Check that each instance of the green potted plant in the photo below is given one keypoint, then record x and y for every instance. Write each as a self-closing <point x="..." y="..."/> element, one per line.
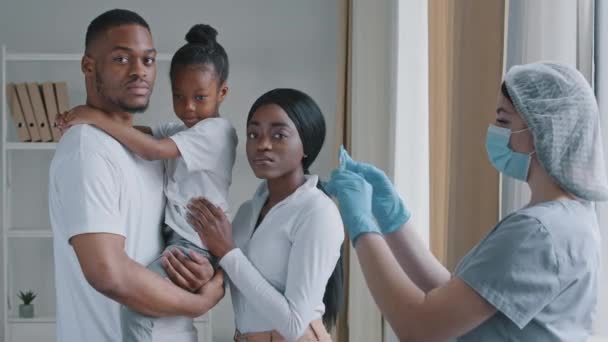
<point x="26" y="310"/>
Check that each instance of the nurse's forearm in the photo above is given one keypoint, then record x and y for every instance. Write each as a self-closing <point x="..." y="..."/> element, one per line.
<point x="148" y="293"/>
<point x="448" y="311"/>
<point x="394" y="292"/>
<point x="416" y="259"/>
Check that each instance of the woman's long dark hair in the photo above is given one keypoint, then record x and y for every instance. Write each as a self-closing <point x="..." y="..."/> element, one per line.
<point x="308" y="119"/>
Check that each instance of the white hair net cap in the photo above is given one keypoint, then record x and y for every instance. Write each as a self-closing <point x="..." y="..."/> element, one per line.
<point x="559" y="106"/>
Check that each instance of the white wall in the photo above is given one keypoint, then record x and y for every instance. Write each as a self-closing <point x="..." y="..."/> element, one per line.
<point x="270" y="43"/>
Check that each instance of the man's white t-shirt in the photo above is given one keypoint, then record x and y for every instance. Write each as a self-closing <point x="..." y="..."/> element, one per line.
<point x="208" y="151"/>
<point x="98" y="186"/>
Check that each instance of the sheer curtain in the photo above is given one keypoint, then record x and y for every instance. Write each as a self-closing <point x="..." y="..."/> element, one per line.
<point x="370" y="104"/>
<point x="601" y="89"/>
<point x="545" y="30"/>
<point x="573" y="32"/>
<point x="387" y="123"/>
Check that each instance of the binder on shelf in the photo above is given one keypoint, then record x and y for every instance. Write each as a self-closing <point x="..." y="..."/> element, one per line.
<point x="39" y="112"/>
<point x="17" y="113"/>
<point x="28" y="112"/>
<point x="61" y="91"/>
<point x="50" y="104"/>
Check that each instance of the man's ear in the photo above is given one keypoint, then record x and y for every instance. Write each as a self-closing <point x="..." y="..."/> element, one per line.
<point x="87" y="65"/>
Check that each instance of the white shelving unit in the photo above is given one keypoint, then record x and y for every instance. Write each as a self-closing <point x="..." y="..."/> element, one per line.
<point x="12" y="146"/>
<point x="42" y="327"/>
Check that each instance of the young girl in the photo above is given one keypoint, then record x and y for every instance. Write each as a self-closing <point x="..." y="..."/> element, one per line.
<point x="284" y="264"/>
<point x="199" y="151"/>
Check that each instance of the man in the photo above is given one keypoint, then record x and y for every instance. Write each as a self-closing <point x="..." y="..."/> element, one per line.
<point x="106" y="204"/>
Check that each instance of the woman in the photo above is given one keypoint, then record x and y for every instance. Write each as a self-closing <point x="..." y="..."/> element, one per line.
<point x="283" y="263"/>
<point x="534" y="276"/>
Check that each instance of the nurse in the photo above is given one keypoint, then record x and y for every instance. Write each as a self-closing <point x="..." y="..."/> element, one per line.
<point x="534" y="277"/>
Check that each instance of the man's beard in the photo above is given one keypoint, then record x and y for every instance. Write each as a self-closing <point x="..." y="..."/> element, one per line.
<point x="117" y="102"/>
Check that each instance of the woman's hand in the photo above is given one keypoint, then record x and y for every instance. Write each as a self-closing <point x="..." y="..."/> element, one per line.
<point x="77" y="116"/>
<point x="189" y="272"/>
<point x="212" y="226"/>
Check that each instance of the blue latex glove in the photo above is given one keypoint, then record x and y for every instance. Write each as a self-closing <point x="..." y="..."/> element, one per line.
<point x="354" y="196"/>
<point x="387" y="205"/>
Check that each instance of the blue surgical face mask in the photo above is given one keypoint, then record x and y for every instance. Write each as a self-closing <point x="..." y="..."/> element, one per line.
<point x="503" y="158"/>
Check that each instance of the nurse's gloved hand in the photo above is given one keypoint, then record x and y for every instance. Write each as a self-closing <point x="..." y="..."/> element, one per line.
<point x="354" y="196"/>
<point x="387" y="205"/>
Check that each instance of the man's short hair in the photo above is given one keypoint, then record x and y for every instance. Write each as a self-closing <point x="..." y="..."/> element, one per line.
<point x="110" y="19"/>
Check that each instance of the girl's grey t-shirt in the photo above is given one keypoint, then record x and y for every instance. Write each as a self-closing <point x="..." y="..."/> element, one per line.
<point x="539" y="268"/>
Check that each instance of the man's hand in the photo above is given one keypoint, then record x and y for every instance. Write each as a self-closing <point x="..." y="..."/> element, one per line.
<point x="214" y="286"/>
<point x="212" y="292"/>
<point x="188" y="272"/>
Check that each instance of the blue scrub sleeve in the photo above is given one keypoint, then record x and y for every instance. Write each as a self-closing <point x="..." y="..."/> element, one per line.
<point x="516" y="269"/>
